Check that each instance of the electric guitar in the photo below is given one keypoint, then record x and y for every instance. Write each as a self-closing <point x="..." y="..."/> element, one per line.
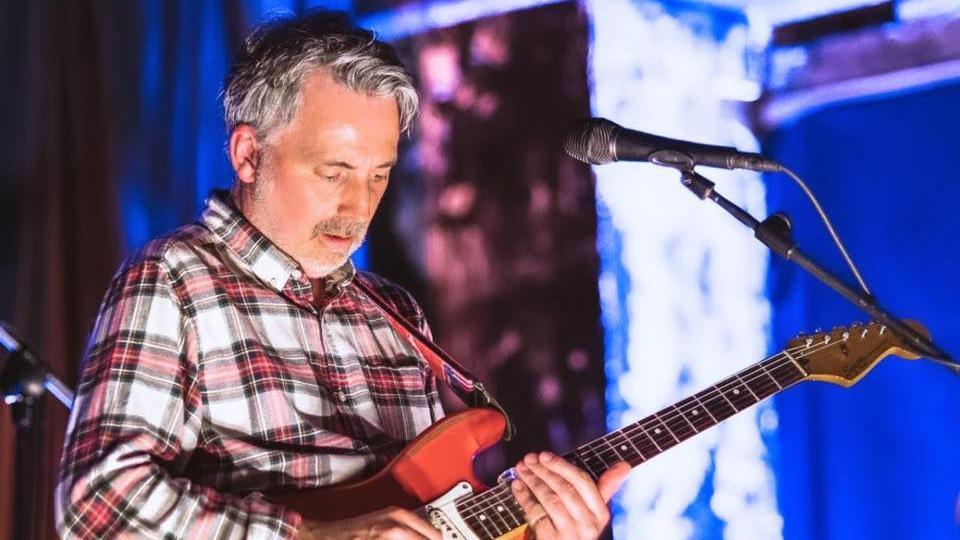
<point x="434" y="476"/>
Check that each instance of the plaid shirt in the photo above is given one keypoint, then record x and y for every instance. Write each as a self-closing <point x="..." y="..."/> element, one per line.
<point x="210" y="377"/>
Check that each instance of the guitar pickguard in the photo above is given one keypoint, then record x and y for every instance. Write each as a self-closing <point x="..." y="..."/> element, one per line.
<point x="443" y="515"/>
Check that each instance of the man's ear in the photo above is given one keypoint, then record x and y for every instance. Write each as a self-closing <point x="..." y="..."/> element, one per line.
<point x="245" y="152"/>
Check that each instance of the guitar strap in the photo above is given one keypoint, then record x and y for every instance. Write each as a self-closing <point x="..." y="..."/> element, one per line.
<point x="466" y="386"/>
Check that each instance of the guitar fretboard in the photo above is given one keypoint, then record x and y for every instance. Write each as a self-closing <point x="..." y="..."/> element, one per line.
<point x="494" y="513"/>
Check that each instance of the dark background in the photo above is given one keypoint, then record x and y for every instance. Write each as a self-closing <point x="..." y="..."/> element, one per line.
<point x="110" y="135"/>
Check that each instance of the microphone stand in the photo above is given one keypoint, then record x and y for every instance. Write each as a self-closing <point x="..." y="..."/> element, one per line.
<point x="23" y="382"/>
<point x="775" y="233"/>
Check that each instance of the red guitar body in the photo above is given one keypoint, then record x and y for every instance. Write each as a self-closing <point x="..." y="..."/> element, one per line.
<point x="431" y="465"/>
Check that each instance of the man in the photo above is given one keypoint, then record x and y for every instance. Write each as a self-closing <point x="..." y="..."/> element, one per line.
<point x="234" y="356"/>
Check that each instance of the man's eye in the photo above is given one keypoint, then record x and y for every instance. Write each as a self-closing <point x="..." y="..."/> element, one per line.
<point x="332" y="177"/>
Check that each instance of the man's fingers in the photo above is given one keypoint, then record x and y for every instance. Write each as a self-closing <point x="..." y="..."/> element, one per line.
<point x="415" y="523"/>
<point x="533" y="512"/>
<point x="544" y="494"/>
<point x="580" y="480"/>
<point x="612" y="479"/>
<point x="582" y="501"/>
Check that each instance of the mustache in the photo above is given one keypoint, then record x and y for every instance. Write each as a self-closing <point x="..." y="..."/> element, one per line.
<point x="340" y="226"/>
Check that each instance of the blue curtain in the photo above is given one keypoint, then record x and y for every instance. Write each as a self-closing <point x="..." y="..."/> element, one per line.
<point x="171" y="137"/>
<point x="878" y="460"/>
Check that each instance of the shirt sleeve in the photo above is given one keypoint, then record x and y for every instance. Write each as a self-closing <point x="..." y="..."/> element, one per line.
<point x="135" y="419"/>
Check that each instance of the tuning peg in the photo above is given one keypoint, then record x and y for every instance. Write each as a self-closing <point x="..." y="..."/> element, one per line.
<point x="855" y="324"/>
<point x="883" y="329"/>
<point x="846" y="335"/>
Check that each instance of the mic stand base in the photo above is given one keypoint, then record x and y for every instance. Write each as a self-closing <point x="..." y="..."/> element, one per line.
<point x="775" y="233"/>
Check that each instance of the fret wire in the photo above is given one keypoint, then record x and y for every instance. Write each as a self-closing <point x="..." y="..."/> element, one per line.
<point x="738" y="399"/>
<point x="685" y="419"/>
<point x="635" y="449"/>
<point x="611" y="447"/>
<point x="719" y="402"/>
<point x="477" y="521"/>
<point x="724" y="395"/>
<point x="480" y="500"/>
<point x="474" y="517"/>
<point x="501" y="496"/>
<point x="655" y="443"/>
<point x="774" y="379"/>
<point x="494" y="509"/>
<point x="704" y="407"/>
<point x="575" y="458"/>
<point x="512" y="508"/>
<point x="664" y="424"/>
<point x="500" y="521"/>
<point x="641" y="453"/>
<point x="655" y="430"/>
<point x="491" y="511"/>
<point x="637" y="426"/>
<point x="603" y="462"/>
<point x="489" y="499"/>
<point x="591" y="446"/>
<point x="748" y="394"/>
<point x="474" y="502"/>
<point x="793" y="371"/>
<point x="689" y="430"/>
<point x="747" y="386"/>
<point x="483" y="524"/>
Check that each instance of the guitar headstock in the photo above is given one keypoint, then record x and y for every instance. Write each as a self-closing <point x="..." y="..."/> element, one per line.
<point x="845" y="354"/>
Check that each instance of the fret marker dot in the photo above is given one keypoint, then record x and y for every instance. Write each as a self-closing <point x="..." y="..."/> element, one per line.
<point x="693" y="411"/>
<point x="736" y="391"/>
<point x="623" y="447"/>
<point x="499" y="509"/>
<point x="482" y="517"/>
<point x="657" y="431"/>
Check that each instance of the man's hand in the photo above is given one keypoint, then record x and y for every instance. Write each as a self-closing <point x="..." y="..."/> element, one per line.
<point x="392" y="523"/>
<point x="560" y="500"/>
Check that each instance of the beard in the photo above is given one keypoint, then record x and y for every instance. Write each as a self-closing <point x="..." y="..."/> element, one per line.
<point x="322" y="258"/>
<point x="328" y="260"/>
<point x="343" y="227"/>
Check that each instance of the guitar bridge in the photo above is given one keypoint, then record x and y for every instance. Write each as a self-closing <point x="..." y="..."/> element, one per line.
<point x="443" y="515"/>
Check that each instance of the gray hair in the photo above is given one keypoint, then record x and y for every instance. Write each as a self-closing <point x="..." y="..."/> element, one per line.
<point x="263" y="89"/>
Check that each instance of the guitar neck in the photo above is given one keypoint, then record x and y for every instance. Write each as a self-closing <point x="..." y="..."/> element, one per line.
<point x="668" y="427"/>
<point x="494" y="513"/>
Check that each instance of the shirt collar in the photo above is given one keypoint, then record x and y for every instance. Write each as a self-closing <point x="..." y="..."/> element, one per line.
<point x="264" y="259"/>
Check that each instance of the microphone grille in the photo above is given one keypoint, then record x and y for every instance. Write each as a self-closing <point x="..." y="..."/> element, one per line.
<point x="590" y="140"/>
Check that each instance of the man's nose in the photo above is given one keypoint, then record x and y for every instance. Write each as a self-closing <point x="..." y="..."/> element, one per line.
<point x="355" y="198"/>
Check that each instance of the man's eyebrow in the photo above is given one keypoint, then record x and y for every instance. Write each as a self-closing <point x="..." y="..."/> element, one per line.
<point x="345" y="165"/>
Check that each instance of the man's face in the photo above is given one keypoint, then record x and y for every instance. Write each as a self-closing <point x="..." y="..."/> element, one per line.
<point x="319" y="179"/>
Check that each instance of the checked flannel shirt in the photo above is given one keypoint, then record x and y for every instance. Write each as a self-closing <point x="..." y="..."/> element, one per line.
<point x="211" y="377"/>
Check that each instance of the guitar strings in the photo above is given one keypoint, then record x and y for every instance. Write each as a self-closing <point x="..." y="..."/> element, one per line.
<point x="500" y="495"/>
<point x="501" y="499"/>
<point x="747" y="375"/>
<point x="761" y="371"/>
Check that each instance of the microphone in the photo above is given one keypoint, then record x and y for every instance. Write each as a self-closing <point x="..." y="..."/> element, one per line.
<point x="599" y="141"/>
